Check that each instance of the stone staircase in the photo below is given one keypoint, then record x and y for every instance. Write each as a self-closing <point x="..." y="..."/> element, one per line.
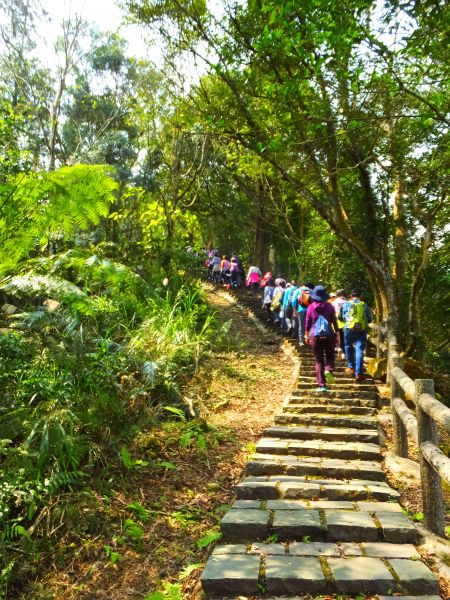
<point x="313" y="513"/>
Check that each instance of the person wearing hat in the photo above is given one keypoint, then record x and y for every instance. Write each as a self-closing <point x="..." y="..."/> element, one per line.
<point x="356" y="316"/>
<point x="321" y="328"/>
<point x="266" y="277"/>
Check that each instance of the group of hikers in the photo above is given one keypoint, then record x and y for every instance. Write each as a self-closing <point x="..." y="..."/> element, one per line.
<point x="328" y="322"/>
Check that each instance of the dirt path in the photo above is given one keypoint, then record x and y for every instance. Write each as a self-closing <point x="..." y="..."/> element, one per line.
<point x="97" y="556"/>
<point x="252" y="381"/>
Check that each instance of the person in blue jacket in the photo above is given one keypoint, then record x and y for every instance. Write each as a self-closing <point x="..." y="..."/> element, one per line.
<point x="300" y="302"/>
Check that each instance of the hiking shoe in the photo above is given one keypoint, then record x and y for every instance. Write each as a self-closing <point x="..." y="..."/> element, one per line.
<point x="359" y="377"/>
<point x="329" y="377"/>
<point x="321" y="389"/>
<point x="349" y="370"/>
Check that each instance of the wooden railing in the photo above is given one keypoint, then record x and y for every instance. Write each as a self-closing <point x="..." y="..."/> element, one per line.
<point x="421" y="424"/>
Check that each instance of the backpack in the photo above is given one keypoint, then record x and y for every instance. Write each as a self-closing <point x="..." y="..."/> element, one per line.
<point x="356" y="317"/>
<point x="289" y="310"/>
<point x="322" y="328"/>
<point x="234" y="267"/>
<point x="268" y="294"/>
<point x="304" y="299"/>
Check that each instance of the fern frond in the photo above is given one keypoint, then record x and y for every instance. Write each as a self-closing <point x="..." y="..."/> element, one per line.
<point x="35" y="286"/>
<point x="38" y="204"/>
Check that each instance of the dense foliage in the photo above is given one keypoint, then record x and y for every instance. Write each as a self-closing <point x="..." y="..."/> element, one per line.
<point x="343" y="113"/>
<point x="313" y="142"/>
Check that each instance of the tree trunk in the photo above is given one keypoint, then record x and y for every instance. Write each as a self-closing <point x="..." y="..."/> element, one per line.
<point x="414" y="326"/>
<point x="262" y="239"/>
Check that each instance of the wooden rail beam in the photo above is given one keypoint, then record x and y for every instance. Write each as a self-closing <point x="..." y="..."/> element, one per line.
<point x="436" y="410"/>
<point x="407" y="417"/>
<point x="405" y="382"/>
<point x="437" y="459"/>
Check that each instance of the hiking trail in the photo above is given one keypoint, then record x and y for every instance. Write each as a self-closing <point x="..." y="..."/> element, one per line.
<point x="313" y="513"/>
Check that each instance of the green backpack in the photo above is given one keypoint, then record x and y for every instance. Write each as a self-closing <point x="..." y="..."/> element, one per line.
<point x="356" y="318"/>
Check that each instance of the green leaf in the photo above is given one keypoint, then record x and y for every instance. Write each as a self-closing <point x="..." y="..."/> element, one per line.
<point x="140" y="511"/>
<point x="126" y="458"/>
<point x="112" y="556"/>
<point x="133" y="530"/>
<point x="176" y="411"/>
<point x="166" y="464"/>
<point x="185" y="438"/>
<point x="208" y="539"/>
<point x="188" y="570"/>
<point x="201" y="442"/>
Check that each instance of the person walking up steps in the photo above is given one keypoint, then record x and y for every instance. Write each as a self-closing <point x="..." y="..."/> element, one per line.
<point x="356" y="316"/>
<point x="320" y="331"/>
<point x="267" y="299"/>
<point x="338" y="303"/>
<point x="253" y="279"/>
<point x="277" y="299"/>
<point x="301" y="302"/>
<point x="225" y="269"/>
<point x="288" y="309"/>
<point x="234" y="272"/>
<point x="215" y="271"/>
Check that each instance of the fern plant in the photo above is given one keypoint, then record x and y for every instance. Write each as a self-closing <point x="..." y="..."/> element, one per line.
<point x="173" y="339"/>
<point x="35" y="205"/>
<point x="57" y="440"/>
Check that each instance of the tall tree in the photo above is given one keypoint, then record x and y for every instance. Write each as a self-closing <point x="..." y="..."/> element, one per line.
<point x="317" y="93"/>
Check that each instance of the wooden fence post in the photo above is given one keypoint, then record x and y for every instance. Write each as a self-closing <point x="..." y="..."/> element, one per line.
<point x="427" y="431"/>
<point x="392" y="350"/>
<point x="399" y="430"/>
<point x="388" y="366"/>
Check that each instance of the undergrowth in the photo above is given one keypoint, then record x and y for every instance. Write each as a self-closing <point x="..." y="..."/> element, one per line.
<point x="92" y="359"/>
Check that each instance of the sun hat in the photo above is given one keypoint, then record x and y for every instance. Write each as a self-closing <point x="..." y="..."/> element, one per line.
<point x="319" y="294"/>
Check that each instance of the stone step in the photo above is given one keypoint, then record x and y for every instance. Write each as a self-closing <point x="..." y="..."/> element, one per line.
<point x="246" y="524"/>
<point x="273" y="464"/>
<point x="234" y="570"/>
<point x="340" y="377"/>
<point x="342" y="409"/>
<point x="339" y="380"/>
<point x="334" y="393"/>
<point x="317" y="420"/>
<point x="361" y="505"/>
<point x="324" y="448"/>
<point x="341" y="387"/>
<point x="369" y="402"/>
<point x="324" y="433"/>
<point x="300" y="488"/>
<point x="309" y="367"/>
<point x="307" y="358"/>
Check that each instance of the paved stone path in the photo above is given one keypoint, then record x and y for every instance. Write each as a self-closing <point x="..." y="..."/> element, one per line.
<point x="313" y="513"/>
